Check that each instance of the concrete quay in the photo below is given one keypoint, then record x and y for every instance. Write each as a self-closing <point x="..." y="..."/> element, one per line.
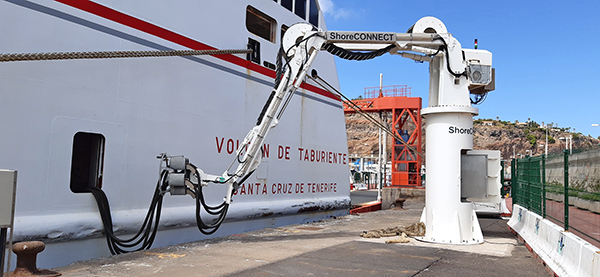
<point x="330" y="247"/>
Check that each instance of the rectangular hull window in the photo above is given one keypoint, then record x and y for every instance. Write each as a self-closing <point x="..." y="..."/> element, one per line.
<point x="87" y="161"/>
<point x="287" y="4"/>
<point x="313" y="16"/>
<point x="260" y="24"/>
<point x="300" y="8"/>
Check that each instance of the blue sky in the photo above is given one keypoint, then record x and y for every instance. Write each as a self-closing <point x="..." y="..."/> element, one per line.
<point x="544" y="52"/>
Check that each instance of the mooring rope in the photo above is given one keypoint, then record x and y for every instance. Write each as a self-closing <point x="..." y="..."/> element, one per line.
<point x="114" y="54"/>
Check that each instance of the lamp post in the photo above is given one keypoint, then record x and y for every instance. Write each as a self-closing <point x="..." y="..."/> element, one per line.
<point x="568" y="143"/>
<point x="546" y="145"/>
<point x="563" y="138"/>
<point x="571" y="144"/>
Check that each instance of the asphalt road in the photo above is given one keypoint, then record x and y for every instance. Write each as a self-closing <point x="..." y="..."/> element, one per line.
<point x="328" y="247"/>
<point x="362" y="196"/>
<point x="364" y="258"/>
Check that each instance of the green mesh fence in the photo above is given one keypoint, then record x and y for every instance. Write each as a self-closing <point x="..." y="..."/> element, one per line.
<point x="564" y="189"/>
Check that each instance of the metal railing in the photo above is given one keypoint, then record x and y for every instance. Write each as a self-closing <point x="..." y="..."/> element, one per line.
<point x="546" y="190"/>
<point x="388" y="91"/>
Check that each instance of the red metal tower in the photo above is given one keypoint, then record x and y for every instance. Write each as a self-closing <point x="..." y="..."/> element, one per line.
<point x="406" y="124"/>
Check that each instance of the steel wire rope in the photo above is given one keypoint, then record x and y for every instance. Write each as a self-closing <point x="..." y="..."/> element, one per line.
<point x="361" y="56"/>
<point x="147" y="233"/>
<point x="335" y="50"/>
<point x="13" y="57"/>
<point x="363" y="113"/>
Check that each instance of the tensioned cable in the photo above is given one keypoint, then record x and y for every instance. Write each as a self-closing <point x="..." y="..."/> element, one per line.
<point x="114" y="54"/>
<point x="355" y="107"/>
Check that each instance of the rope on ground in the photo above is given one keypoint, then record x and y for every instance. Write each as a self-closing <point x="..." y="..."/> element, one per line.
<point x="413" y="230"/>
<point x="114" y="54"/>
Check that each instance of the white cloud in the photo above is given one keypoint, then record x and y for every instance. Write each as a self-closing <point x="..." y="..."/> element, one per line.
<point x="329" y="8"/>
<point x="326" y="6"/>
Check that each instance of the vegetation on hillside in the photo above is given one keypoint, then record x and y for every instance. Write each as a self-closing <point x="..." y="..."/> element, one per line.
<point x="526" y="138"/>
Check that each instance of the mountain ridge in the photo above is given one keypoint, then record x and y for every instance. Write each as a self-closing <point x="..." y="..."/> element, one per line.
<point x="520" y="139"/>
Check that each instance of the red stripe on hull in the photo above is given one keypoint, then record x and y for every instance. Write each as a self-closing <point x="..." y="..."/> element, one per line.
<point x="135" y="23"/>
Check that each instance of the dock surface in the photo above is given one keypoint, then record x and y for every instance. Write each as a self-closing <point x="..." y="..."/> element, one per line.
<point x="330" y="247"/>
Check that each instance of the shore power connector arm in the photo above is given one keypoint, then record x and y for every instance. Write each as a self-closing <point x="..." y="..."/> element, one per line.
<point x="300" y="46"/>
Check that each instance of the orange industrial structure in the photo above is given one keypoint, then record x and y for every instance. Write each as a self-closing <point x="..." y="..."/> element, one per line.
<point x="406" y="124"/>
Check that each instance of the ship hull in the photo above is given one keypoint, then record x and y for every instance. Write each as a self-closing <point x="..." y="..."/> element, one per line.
<point x="200" y="107"/>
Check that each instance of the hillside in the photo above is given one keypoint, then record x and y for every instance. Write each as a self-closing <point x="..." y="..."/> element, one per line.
<point x="502" y="135"/>
<point x="489" y="134"/>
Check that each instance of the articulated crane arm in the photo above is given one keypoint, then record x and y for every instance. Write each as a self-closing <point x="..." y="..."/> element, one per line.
<point x="300" y="46"/>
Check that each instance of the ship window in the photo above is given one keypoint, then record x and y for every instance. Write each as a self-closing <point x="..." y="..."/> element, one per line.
<point x="87" y="161"/>
<point x="300" y="8"/>
<point x="260" y="24"/>
<point x="269" y="65"/>
<point x="287" y="4"/>
<point x="313" y="13"/>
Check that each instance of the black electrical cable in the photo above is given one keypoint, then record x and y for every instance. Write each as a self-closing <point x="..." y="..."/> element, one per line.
<point x="199" y="195"/>
<point x="457" y="75"/>
<point x="479" y="98"/>
<point x="437" y="52"/>
<point x="205" y="228"/>
<point x="144" y="238"/>
<point x="149" y="229"/>
<point x="265" y="107"/>
<point x="279" y="68"/>
<point x="356" y="56"/>
<point x="220" y="210"/>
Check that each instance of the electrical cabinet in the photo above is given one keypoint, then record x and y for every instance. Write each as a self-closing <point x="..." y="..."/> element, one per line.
<point x="480" y="176"/>
<point x="8" y="185"/>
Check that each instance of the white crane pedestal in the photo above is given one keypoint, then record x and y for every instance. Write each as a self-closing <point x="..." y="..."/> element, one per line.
<point x="447" y="219"/>
<point x="449" y="215"/>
